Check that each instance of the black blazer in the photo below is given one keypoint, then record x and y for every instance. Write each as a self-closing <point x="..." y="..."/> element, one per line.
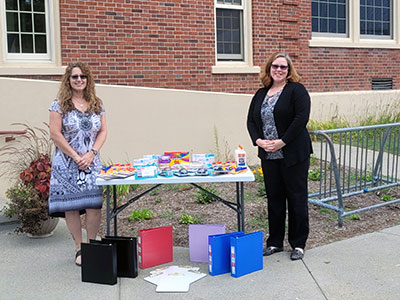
<point x="291" y="114"/>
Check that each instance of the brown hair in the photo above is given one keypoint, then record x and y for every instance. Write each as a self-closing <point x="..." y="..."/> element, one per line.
<point x="265" y="74"/>
<point x="65" y="91"/>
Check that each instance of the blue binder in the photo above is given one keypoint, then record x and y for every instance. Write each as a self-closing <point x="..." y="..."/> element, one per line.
<point x="246" y="253"/>
<point x="219" y="250"/>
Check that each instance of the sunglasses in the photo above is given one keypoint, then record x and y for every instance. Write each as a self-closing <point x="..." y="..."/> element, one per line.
<point x="282" y="67"/>
<point x="75" y="77"/>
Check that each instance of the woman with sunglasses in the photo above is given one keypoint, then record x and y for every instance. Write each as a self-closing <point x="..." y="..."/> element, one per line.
<point x="78" y="129"/>
<point x="276" y="122"/>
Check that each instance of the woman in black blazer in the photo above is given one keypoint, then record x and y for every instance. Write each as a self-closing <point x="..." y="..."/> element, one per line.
<point x="276" y="122"/>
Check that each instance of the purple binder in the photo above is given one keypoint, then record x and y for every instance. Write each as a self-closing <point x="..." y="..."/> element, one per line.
<point x="198" y="240"/>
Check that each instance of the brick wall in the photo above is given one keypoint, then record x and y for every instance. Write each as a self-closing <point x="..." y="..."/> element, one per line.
<point x="170" y="44"/>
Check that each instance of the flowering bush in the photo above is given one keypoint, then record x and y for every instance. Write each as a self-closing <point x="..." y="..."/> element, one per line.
<point x="38" y="175"/>
<point x="26" y="160"/>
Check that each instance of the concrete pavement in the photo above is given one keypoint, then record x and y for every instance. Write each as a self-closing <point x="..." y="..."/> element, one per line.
<point x="364" y="267"/>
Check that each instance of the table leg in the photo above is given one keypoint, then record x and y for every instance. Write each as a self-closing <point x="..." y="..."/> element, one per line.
<point x="108" y="208"/>
<point x="115" y="207"/>
<point x="242" y="204"/>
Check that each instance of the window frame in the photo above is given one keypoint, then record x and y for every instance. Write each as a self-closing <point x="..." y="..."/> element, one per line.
<point x="355" y="39"/>
<point x="28" y="63"/>
<point x="245" y="65"/>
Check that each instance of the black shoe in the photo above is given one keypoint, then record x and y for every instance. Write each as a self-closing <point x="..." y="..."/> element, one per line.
<point x="297" y="254"/>
<point x="78" y="253"/>
<point x="271" y="250"/>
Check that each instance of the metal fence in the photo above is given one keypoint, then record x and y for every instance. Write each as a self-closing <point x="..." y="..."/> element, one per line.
<point x="354" y="161"/>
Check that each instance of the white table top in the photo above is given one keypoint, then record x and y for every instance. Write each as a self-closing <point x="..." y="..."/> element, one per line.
<point x="241" y="177"/>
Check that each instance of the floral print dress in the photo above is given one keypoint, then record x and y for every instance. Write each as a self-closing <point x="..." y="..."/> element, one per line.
<point x="70" y="188"/>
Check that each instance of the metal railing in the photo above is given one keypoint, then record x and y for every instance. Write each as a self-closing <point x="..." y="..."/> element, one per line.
<point x="354" y="161"/>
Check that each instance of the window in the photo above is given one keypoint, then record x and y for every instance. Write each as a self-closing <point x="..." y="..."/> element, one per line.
<point x="26" y="27"/>
<point x="375" y="18"/>
<point x="233" y="37"/>
<point x="355" y="23"/>
<point x="230" y="30"/>
<point x="30" y="37"/>
<point x="329" y="16"/>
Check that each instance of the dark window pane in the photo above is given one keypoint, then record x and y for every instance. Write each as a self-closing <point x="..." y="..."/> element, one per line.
<point x="40" y="44"/>
<point x="314" y="9"/>
<point x="236" y="36"/>
<point x="219" y="22"/>
<point x="314" y="24"/>
<point x="341" y="26"/>
<point x="323" y="10"/>
<point x="11" y="4"/>
<point x="378" y="2"/>
<point x="235" y="23"/>
<point x="219" y="35"/>
<point x="237" y="2"/>
<point x="38" y="5"/>
<point x="40" y="23"/>
<point x="227" y="23"/>
<point x="13" y="43"/>
<point x="363" y="27"/>
<point x="236" y="48"/>
<point x="362" y="2"/>
<point x="228" y="48"/>
<point x="386" y="28"/>
<point x="26" y="22"/>
<point x="386" y="14"/>
<point x="370" y="2"/>
<point x="370" y="28"/>
<point x="332" y="10"/>
<point x="227" y="36"/>
<point x="342" y="11"/>
<point x="378" y="28"/>
<point x="219" y="12"/>
<point x="323" y="25"/>
<point x="386" y="3"/>
<point x="362" y="13"/>
<point x="220" y="47"/>
<point x="27" y="43"/>
<point x="370" y="13"/>
<point x="12" y="21"/>
<point x="378" y="14"/>
<point x="332" y="25"/>
<point x="25" y="5"/>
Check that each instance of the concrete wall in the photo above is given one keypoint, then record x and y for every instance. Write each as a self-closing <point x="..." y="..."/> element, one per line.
<point x="149" y="121"/>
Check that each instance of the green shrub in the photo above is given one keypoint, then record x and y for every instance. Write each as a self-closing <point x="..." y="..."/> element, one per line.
<point x="188" y="219"/>
<point x="141" y="214"/>
<point x="202" y="197"/>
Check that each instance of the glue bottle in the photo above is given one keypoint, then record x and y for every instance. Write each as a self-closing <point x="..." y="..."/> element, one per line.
<point x="240" y="157"/>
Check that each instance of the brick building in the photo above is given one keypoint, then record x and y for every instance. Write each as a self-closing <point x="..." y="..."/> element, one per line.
<point x="209" y="45"/>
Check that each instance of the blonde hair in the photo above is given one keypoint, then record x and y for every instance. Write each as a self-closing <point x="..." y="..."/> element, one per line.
<point x="65" y="91"/>
<point x="265" y="74"/>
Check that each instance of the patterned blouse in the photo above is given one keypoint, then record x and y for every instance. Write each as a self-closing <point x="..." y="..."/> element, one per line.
<point x="269" y="128"/>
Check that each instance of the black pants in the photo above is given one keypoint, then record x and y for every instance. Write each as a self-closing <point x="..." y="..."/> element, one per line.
<point x="286" y="184"/>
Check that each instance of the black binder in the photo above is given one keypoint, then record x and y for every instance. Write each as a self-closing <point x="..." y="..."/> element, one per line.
<point x="99" y="262"/>
<point x="126" y="255"/>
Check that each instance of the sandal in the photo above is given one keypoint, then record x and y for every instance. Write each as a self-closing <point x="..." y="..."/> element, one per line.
<point x="78" y="253"/>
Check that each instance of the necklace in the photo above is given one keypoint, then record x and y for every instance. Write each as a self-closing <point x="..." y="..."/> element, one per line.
<point x="80" y="104"/>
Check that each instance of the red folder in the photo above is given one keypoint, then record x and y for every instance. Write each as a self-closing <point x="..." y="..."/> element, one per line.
<point x="154" y="246"/>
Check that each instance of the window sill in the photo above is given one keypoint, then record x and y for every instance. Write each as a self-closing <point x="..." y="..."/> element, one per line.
<point x="233" y="68"/>
<point x="31" y="70"/>
<point x="348" y="43"/>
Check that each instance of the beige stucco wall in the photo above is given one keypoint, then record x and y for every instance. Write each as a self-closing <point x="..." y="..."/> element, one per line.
<point x="149" y="121"/>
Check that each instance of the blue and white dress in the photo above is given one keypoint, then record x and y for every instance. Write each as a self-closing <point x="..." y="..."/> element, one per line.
<point x="70" y="188"/>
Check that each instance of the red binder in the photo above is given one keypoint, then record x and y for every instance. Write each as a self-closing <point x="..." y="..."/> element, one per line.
<point x="154" y="246"/>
